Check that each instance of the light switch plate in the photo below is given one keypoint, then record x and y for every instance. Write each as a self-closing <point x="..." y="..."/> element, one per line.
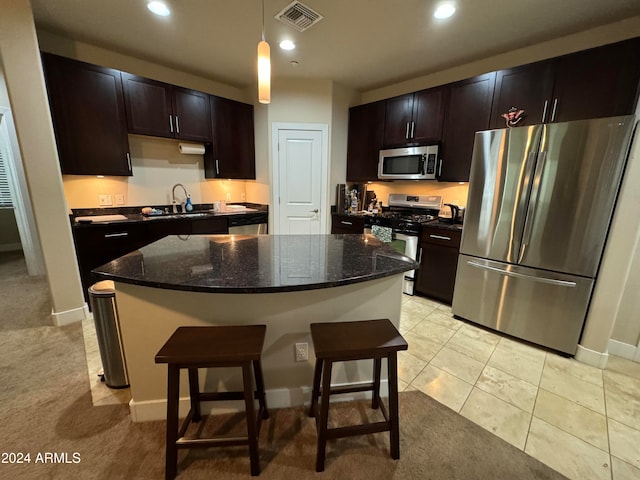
<point x="119" y="199"/>
<point x="243" y="197"/>
<point x="228" y="197"/>
<point x="105" y="200"/>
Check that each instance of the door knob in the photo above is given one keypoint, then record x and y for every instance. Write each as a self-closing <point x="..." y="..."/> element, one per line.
<point x="314" y="211"/>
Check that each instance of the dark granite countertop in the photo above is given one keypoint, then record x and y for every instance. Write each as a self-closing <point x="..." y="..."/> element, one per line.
<point x="134" y="215"/>
<point x="257" y="263"/>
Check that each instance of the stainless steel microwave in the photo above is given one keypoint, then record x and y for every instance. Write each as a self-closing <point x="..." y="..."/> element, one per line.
<point x="410" y="163"/>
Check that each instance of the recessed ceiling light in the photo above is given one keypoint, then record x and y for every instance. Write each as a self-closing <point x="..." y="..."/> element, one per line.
<point x="444" y="10"/>
<point x="159" y="8"/>
<point x="287" y="45"/>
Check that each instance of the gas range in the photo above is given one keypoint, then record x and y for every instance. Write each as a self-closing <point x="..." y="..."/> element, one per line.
<point x="407" y="213"/>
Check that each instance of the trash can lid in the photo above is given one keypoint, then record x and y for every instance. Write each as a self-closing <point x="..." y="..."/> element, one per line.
<point x="105" y="287"/>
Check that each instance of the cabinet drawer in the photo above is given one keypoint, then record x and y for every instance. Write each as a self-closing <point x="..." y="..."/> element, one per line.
<point x="346" y="224"/>
<point x="441" y="236"/>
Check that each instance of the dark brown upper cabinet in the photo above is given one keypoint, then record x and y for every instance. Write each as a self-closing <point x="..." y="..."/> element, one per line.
<point x="232" y="153"/>
<point x="88" y="113"/>
<point x="527" y="88"/>
<point x="162" y="110"/>
<point x="600" y="82"/>
<point x="366" y="129"/>
<point x="468" y="110"/>
<point x="415" y="118"/>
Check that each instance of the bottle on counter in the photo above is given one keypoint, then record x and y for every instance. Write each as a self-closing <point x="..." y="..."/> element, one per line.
<point x="188" y="206"/>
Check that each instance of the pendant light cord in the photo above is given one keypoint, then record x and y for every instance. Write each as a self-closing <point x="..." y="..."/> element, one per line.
<point x="263" y="21"/>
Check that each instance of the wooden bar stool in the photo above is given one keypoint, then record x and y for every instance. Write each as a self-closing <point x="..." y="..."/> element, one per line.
<point x="192" y="348"/>
<point x="342" y="341"/>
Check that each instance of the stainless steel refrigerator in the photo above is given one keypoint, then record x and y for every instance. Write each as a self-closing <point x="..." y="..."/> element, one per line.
<point x="540" y="203"/>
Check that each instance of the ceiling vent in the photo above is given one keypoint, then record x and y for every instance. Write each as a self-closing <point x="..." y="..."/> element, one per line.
<point x="298" y="16"/>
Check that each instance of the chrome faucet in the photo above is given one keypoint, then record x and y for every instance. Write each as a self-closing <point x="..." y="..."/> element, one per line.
<point x="173" y="196"/>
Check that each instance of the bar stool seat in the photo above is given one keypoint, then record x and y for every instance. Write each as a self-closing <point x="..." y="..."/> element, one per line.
<point x="343" y="341"/>
<point x="192" y="348"/>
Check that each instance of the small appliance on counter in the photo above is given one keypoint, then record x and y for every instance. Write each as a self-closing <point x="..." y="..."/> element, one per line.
<point x="451" y="213"/>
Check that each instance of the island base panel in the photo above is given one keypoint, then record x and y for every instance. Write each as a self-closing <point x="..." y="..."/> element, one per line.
<point x="148" y="316"/>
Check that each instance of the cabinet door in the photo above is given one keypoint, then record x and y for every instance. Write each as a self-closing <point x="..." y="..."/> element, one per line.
<point x="366" y="126"/>
<point x="232" y="154"/>
<point x="527" y="88"/>
<point x="87" y="108"/>
<point x="437" y="274"/>
<point x="428" y="113"/>
<point x="149" y="106"/>
<point x="600" y="82"/>
<point x="398" y="117"/>
<point x="191" y="114"/>
<point x="468" y="110"/>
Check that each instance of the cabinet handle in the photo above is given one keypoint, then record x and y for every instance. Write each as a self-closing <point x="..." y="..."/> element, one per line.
<point x="406" y="134"/>
<point x="345" y="223"/>
<point x="129" y="160"/>
<point x="217" y="167"/>
<point x="413" y="125"/>
<point x="114" y="235"/>
<point x="171" y="123"/>
<point x="440" y="237"/>
<point x="555" y="108"/>
<point x="544" y="110"/>
<point x="177" y="125"/>
<point x="440" y="169"/>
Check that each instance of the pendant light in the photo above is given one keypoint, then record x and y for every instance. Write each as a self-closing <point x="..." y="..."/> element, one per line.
<point x="264" y="67"/>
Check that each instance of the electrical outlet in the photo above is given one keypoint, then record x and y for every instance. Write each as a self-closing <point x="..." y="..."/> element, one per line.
<point x="302" y="352"/>
<point x="119" y="199"/>
<point x="105" y="200"/>
<point x="228" y="197"/>
<point x="243" y="197"/>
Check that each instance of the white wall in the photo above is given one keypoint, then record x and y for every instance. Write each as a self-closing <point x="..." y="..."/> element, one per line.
<point x="20" y="57"/>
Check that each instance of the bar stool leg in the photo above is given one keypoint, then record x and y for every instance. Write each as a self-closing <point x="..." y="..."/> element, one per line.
<point x="173" y="394"/>
<point x="262" y="399"/>
<point x="394" y="432"/>
<point x="324" y="415"/>
<point x="375" y="396"/>
<point x="317" y="374"/>
<point x="252" y="431"/>
<point x="194" y="394"/>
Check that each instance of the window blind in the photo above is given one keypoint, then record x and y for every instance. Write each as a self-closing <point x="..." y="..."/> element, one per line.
<point x="5" y="191"/>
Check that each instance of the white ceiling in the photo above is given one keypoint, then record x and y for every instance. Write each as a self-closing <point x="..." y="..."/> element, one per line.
<point x="364" y="44"/>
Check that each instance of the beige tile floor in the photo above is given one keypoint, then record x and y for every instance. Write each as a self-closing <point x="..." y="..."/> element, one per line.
<point x="579" y="420"/>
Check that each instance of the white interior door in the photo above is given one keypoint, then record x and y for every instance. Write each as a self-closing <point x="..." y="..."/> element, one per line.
<point x="299" y="178"/>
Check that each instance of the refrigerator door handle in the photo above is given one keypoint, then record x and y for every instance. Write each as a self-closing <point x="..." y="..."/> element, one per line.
<point x="551" y="281"/>
<point x="533" y="202"/>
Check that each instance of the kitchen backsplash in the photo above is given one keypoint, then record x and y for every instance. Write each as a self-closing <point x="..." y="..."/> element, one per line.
<point x="450" y="192"/>
<point x="157" y="166"/>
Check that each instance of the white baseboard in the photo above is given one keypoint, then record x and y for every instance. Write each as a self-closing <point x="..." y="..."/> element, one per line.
<point x="152" y="410"/>
<point x="70" y="316"/>
<point x="591" y="357"/>
<point x="10" y="247"/>
<point x="624" y="350"/>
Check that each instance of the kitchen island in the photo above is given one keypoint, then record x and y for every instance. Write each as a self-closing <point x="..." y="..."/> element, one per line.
<point x="283" y="281"/>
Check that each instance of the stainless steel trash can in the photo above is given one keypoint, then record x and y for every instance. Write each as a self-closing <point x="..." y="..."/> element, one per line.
<point x="102" y="297"/>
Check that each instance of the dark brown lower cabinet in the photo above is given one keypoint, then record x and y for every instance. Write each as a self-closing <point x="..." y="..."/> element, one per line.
<point x="99" y="244"/>
<point x="346" y="224"/>
<point x="438" y="262"/>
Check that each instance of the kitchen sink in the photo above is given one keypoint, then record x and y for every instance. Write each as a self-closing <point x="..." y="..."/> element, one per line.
<point x="180" y="215"/>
